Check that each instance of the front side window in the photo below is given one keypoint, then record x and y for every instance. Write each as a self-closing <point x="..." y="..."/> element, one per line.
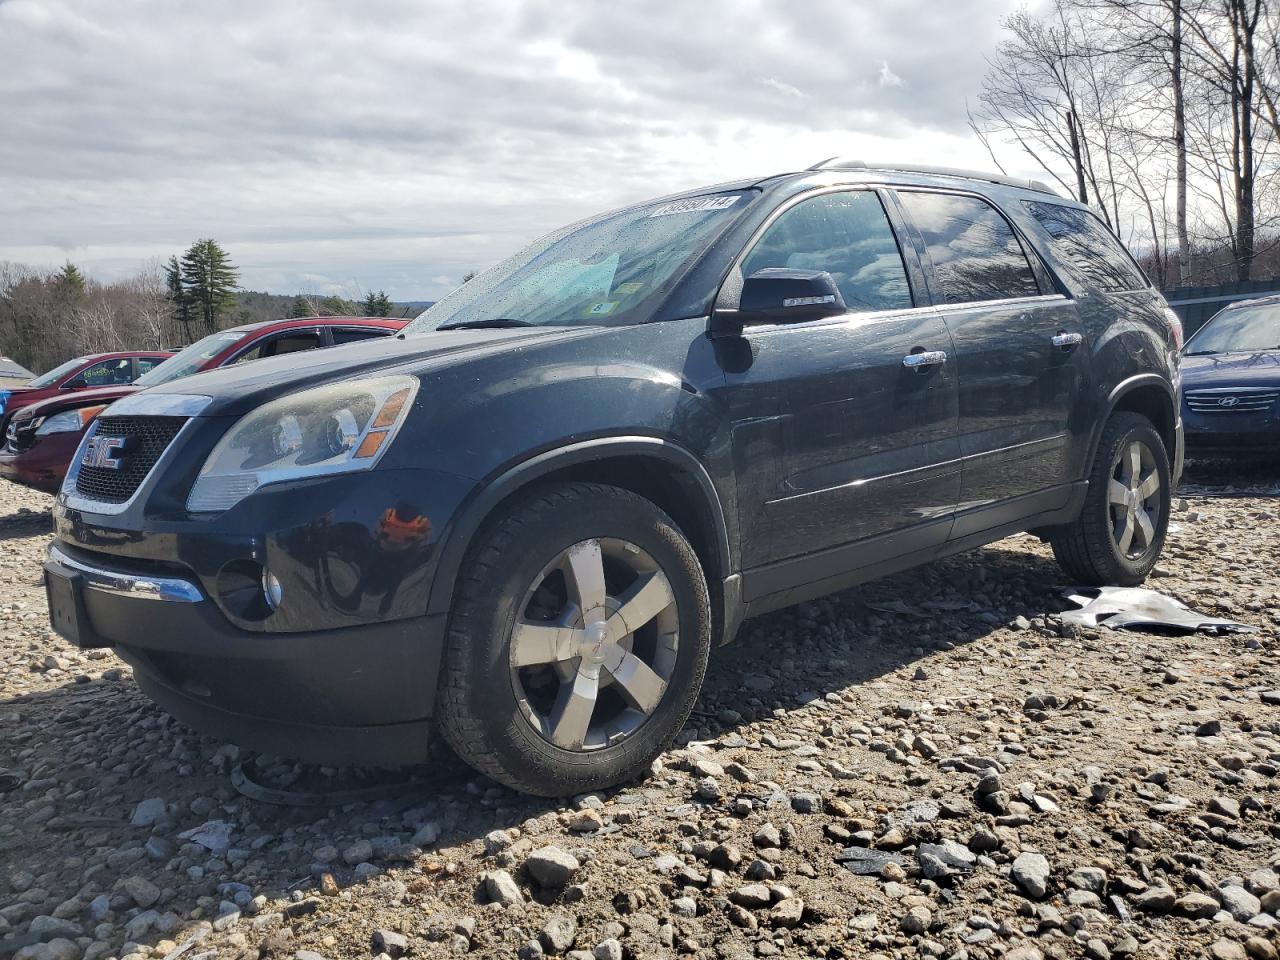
<point x="293" y="342"/>
<point x="1081" y="241"/>
<point x="192" y="358"/>
<point x="612" y="270"/>
<point x="108" y="373"/>
<point x="846" y="234"/>
<point x="1238" y="330"/>
<point x="976" y="255"/>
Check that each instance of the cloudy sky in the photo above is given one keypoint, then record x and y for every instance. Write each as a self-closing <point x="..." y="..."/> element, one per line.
<point x="333" y="145"/>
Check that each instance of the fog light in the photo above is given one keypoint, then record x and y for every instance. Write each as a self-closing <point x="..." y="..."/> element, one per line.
<point x="271" y="589"/>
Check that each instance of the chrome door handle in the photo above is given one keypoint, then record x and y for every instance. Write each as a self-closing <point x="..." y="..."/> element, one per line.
<point x="1067" y="341"/>
<point x="920" y="362"/>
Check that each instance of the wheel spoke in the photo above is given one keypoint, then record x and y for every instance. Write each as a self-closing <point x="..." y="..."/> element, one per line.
<point x="585" y="576"/>
<point x="1135" y="464"/>
<point x="1150" y="485"/>
<point x="637" y="682"/>
<point x="1146" y="528"/>
<point x="534" y="643"/>
<point x="570" y="718"/>
<point x="647" y="597"/>
<point x="1124" y="535"/>
<point x="1117" y="492"/>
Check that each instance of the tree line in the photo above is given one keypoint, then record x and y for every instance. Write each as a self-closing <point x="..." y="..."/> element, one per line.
<point x="1162" y="114"/>
<point x="47" y="316"/>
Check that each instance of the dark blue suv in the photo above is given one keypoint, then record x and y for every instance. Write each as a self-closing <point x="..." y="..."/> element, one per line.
<point x="528" y="519"/>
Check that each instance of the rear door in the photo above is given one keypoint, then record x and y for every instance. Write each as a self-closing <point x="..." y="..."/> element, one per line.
<point x="1021" y="357"/>
<point x="355" y="334"/>
<point x="836" y="442"/>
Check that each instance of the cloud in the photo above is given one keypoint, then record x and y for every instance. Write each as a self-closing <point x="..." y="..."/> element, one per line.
<point x="782" y="87"/>
<point x="888" y="78"/>
<point x="401" y="143"/>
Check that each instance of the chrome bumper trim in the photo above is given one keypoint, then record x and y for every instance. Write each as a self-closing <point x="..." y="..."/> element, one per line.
<point x="119" y="584"/>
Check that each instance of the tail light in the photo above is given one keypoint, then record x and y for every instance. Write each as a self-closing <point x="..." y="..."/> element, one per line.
<point x="1174" y="323"/>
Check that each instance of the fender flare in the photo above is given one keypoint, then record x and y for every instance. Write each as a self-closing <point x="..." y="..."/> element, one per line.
<point x="1118" y="392"/>
<point x="493" y="492"/>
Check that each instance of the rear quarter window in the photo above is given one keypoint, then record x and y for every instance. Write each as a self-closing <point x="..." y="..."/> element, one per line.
<point x="1080" y="240"/>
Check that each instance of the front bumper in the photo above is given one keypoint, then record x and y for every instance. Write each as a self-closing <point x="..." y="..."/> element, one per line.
<point x="42" y="465"/>
<point x="354" y="695"/>
<point x="1232" y="435"/>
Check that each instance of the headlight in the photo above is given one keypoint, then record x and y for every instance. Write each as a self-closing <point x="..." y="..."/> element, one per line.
<point x="335" y="429"/>
<point x="69" y="421"/>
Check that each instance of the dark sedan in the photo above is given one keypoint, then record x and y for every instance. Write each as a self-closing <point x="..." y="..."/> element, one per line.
<point x="1231" y="382"/>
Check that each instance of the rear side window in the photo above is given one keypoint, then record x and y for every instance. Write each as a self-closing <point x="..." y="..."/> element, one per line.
<point x="975" y="253"/>
<point x="147" y="364"/>
<point x="845" y="234"/>
<point x="343" y="335"/>
<point x="1080" y="239"/>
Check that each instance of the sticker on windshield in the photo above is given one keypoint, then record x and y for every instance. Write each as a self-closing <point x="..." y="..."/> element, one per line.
<point x="695" y="205"/>
<point x="628" y="288"/>
<point x="602" y="309"/>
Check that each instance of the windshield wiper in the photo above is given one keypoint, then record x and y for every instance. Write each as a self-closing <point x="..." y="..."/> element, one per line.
<point x="485" y="324"/>
<point x="1200" y="353"/>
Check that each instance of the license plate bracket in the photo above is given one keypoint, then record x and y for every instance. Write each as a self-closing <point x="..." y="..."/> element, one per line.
<point x="67" y="612"/>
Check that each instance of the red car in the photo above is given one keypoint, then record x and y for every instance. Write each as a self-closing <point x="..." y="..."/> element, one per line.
<point x="82" y="373"/>
<point x="41" y="439"/>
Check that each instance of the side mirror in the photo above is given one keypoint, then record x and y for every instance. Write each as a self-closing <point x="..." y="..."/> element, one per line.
<point x="784" y="295"/>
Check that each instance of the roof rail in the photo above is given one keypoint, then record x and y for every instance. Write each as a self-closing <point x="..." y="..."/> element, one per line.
<point x="838" y="163"/>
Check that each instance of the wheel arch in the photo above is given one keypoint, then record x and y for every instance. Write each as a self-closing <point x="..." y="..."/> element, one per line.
<point x="1150" y="395"/>
<point x="661" y="471"/>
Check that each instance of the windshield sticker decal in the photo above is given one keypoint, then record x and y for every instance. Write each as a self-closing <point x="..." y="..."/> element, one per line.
<point x="602" y="309"/>
<point x="628" y="288"/>
<point x="695" y="205"/>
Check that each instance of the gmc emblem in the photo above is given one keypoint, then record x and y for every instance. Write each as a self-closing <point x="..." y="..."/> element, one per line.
<point x="105" y="452"/>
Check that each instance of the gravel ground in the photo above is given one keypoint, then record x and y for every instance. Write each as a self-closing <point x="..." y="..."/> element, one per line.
<point x="932" y="765"/>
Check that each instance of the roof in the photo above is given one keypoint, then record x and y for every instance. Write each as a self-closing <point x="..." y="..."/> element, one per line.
<point x="323" y="321"/>
<point x="952" y="173"/>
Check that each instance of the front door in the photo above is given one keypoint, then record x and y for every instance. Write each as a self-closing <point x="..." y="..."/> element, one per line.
<point x="1021" y="357"/>
<point x="836" y="440"/>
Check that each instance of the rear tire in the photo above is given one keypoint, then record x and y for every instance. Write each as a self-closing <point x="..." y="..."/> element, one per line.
<point x="1121" y="529"/>
<point x="577" y="642"/>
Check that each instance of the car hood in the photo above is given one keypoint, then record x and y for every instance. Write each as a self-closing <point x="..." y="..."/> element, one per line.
<point x="1259" y="369"/>
<point x="75" y="399"/>
<point x="237" y="389"/>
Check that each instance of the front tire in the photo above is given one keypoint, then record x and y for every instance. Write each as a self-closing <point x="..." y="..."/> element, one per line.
<point x="1121" y="529"/>
<point x="577" y="643"/>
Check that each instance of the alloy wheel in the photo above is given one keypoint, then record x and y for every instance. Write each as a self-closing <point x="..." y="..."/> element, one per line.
<point x="594" y="648"/>
<point x="1134" y="498"/>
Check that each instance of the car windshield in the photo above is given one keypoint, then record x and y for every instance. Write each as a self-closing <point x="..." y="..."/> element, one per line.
<point x="57" y="373"/>
<point x="191" y="359"/>
<point x="1239" y="330"/>
<point x="613" y="269"/>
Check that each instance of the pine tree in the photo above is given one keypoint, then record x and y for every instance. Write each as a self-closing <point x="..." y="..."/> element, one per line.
<point x="210" y="280"/>
<point x="179" y="299"/>
<point x="301" y="308"/>
<point x="375" y="304"/>
<point x="336" y="307"/>
<point x="70" y="279"/>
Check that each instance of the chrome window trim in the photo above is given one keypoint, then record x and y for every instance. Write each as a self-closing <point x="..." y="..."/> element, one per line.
<point x="138" y="586"/>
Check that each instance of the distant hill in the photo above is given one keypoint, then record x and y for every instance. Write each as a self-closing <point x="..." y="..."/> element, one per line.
<point x="253" y="306"/>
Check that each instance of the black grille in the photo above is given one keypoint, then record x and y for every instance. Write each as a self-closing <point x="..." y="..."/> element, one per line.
<point x="146" y="439"/>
